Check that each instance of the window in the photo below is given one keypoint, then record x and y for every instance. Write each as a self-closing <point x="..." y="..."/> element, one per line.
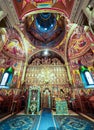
<point x="5" y="78"/>
<point x="89" y="77"/>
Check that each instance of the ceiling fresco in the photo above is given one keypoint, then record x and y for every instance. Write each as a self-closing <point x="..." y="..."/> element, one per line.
<point x="25" y="6"/>
<point x="3" y="37"/>
<point x="46" y="58"/>
<point x="79" y="43"/>
<point x="87" y="59"/>
<point x="6" y="61"/>
<point x="49" y="28"/>
<point x="14" y="46"/>
<point x="45" y="30"/>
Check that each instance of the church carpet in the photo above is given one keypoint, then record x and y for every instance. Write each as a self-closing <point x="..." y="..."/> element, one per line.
<point x="69" y="122"/>
<point x="20" y="122"/>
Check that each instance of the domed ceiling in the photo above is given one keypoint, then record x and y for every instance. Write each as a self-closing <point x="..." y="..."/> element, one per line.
<point x="45" y="30"/>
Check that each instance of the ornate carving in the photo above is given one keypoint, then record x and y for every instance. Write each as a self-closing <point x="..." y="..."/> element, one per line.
<point x="46" y="61"/>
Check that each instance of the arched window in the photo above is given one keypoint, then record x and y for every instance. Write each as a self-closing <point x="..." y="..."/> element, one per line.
<point x="5" y="78"/>
<point x="86" y="77"/>
<point x="89" y="77"/>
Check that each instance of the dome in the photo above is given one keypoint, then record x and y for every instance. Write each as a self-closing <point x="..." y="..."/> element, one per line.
<point x="45" y="22"/>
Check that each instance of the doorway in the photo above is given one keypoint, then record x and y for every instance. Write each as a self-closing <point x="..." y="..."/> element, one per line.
<point x="46" y="98"/>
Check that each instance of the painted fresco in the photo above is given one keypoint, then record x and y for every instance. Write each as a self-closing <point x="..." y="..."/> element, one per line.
<point x="87" y="60"/>
<point x="92" y="47"/>
<point x="79" y="43"/>
<point x="86" y="92"/>
<point x="14" y="46"/>
<point x="5" y="62"/>
<point x="2" y="60"/>
<point x="24" y="6"/>
<point x="17" y="75"/>
<point x="12" y="52"/>
<point x="50" y="37"/>
<point x="81" y="92"/>
<point x="76" y="78"/>
<point x="3" y="37"/>
<point x="10" y="92"/>
<point x="74" y="63"/>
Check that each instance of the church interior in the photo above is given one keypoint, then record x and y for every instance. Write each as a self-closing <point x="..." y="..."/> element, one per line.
<point x="46" y="65"/>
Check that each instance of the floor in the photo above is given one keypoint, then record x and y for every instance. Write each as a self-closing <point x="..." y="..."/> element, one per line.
<point x="56" y="118"/>
<point x="53" y="112"/>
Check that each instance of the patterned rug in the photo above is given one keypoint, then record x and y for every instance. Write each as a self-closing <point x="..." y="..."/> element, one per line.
<point x="72" y="123"/>
<point x="20" y="122"/>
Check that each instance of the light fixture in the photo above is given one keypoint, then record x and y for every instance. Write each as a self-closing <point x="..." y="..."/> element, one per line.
<point x="39" y="26"/>
<point x="45" y="28"/>
<point x="45" y="53"/>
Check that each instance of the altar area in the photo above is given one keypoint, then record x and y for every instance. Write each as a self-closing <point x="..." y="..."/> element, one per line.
<point x="46" y="80"/>
<point x="37" y="101"/>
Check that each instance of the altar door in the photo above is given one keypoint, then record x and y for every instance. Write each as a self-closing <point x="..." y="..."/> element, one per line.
<point x="46" y="99"/>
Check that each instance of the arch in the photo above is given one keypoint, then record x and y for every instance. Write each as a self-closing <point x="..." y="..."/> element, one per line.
<point x="48" y="50"/>
<point x="66" y="51"/>
<point x="51" y="10"/>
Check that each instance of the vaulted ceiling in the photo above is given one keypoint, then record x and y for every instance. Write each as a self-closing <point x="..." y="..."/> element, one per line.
<point x="45" y="25"/>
